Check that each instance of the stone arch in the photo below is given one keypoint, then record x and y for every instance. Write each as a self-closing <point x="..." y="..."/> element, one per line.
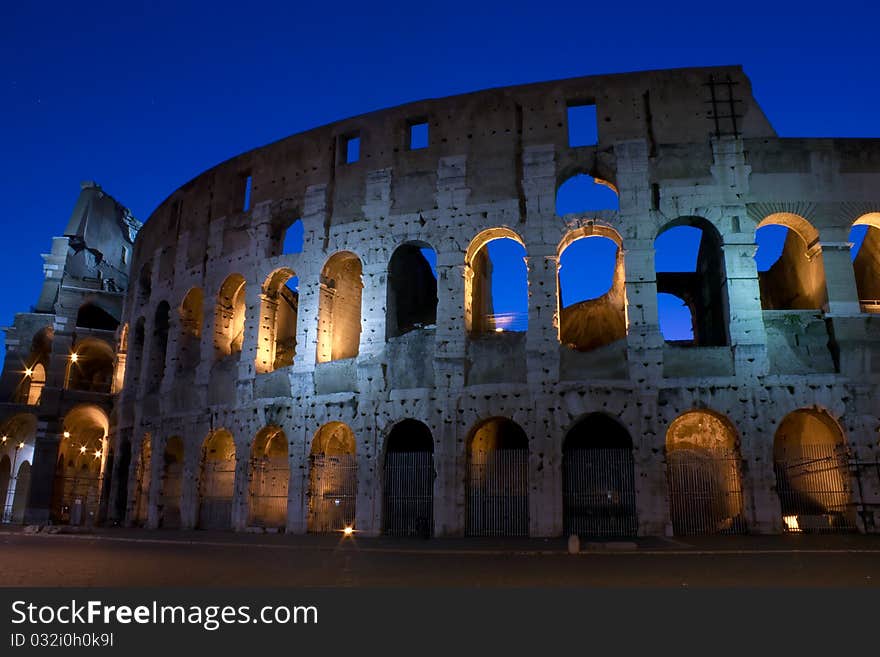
<point x="481" y="314"/>
<point x="135" y="355"/>
<point x="229" y="317"/>
<point x="812" y="472"/>
<point x="36" y="377"/>
<point x="408" y="480"/>
<point x="591" y="318"/>
<point x="279" y="307"/>
<point x="171" y="485"/>
<point x="17" y="437"/>
<point x="598" y="479"/>
<point x="217" y="480"/>
<point x="339" y="308"/>
<point x="82" y="458"/>
<point x="269" y="479"/>
<point x="145" y="283"/>
<point x="192" y="319"/>
<point x="158" y="346"/>
<point x="702" y="285"/>
<point x="91" y="366"/>
<point x="332" y="479"/>
<point x="497" y="485"/>
<point x="703" y="472"/>
<point x="583" y="193"/>
<point x="92" y="315"/>
<point x="796" y="279"/>
<point x="866" y="260"/>
<point x="411" y="298"/>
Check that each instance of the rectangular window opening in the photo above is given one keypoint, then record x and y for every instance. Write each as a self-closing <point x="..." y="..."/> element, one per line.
<point x="248" y="183"/>
<point x="583" y="126"/>
<point x="352" y="149"/>
<point x="418" y="135"/>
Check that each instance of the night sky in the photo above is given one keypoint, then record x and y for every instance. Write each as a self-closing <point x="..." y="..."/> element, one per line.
<point x="141" y="98"/>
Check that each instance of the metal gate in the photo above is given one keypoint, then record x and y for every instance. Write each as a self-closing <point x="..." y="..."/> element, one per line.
<point x="77" y="497"/>
<point x="268" y="492"/>
<point x="705" y="492"/>
<point x="332" y="492"/>
<point x="142" y="492"/>
<point x="599" y="496"/>
<point x="408" y="494"/>
<point x="216" y="491"/>
<point x="814" y="489"/>
<point x="498" y="493"/>
<point x="169" y="512"/>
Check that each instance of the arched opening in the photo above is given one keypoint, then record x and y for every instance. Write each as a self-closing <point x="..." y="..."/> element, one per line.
<point x="5" y="478"/>
<point x="332" y="479"/>
<point x="412" y="289"/>
<point x="229" y="317"/>
<point x="172" y="483"/>
<point x="689" y="262"/>
<point x="789" y="262"/>
<point x="591" y="288"/>
<point x="703" y="471"/>
<point x="279" y="308"/>
<point x="289" y="238"/>
<point x="408" y="481"/>
<point x="496" y="284"/>
<point x="192" y="311"/>
<point x="159" y="347"/>
<point x="270" y="476"/>
<point x="217" y="481"/>
<point x="598" y="479"/>
<point x="583" y="193"/>
<point x="865" y="236"/>
<point x="497" y="480"/>
<point x="91" y="366"/>
<point x="22" y="493"/>
<point x="17" y="435"/>
<point x="812" y="473"/>
<point x="145" y="283"/>
<point x="142" y="481"/>
<point x="33" y="380"/>
<point x="339" y="308"/>
<point x="136" y="355"/>
<point x="80" y="467"/>
<point x="91" y="316"/>
<point x="36" y="385"/>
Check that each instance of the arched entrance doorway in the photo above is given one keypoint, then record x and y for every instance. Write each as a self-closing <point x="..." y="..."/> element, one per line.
<point x="408" y="482"/>
<point x="270" y="475"/>
<point x="217" y="481"/>
<point x="172" y="483"/>
<point x="79" y="471"/>
<point x="332" y="479"/>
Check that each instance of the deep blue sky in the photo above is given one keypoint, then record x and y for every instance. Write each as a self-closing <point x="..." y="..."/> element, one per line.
<point x="142" y="97"/>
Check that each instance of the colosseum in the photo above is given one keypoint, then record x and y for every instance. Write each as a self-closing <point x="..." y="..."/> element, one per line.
<point x="400" y="323"/>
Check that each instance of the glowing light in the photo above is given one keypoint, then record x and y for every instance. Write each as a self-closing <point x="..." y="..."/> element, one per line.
<point x="4" y="439"/>
<point x="97" y="453"/>
<point x="28" y="371"/>
<point x="499" y="330"/>
<point x="82" y="449"/>
<point x="67" y="434"/>
<point x="348" y="531"/>
<point x="791" y="523"/>
<point x="74" y="357"/>
<point x="21" y="445"/>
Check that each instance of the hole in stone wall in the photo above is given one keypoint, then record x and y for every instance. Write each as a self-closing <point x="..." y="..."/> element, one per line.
<point x="93" y="369"/>
<point x="351" y="149"/>
<point x="94" y="317"/>
<point x="498" y="288"/>
<point x="192" y="312"/>
<point x="292" y="242"/>
<point x="418" y="135"/>
<point x="582" y="193"/>
<point x="412" y="290"/>
<point x="339" y="308"/>
<point x="790" y="272"/>
<point x="280" y="306"/>
<point x="229" y="317"/>
<point x="583" y="126"/>
<point x="865" y="236"/>
<point x="248" y="183"/>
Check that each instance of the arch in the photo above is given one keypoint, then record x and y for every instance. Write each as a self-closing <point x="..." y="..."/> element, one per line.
<point x="703" y="472"/>
<point x="591" y="290"/>
<point x="689" y="262"/>
<point x="411" y="298"/>
<point x="91" y="365"/>
<point x="795" y="280"/>
<point x="598" y="479"/>
<point x="171" y="483"/>
<point x="217" y="481"/>
<point x="496" y="283"/>
<point x="158" y="347"/>
<point x="22" y="492"/>
<point x="339" y="308"/>
<point x="5" y="480"/>
<point x="497" y="479"/>
<point x="278" y="316"/>
<point x="192" y="319"/>
<point x="135" y="356"/>
<point x="145" y="283"/>
<point x="229" y="317"/>
<point x="90" y="315"/>
<point x="408" y="480"/>
<point x="332" y="479"/>
<point x="865" y="235"/>
<point x="270" y="477"/>
<point x="37" y="381"/>
<point x="583" y="193"/>
<point x="82" y="458"/>
<point x="142" y="480"/>
<point x="812" y="473"/>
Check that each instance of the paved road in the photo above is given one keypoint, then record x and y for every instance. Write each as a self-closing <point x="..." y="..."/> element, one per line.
<point x="141" y="558"/>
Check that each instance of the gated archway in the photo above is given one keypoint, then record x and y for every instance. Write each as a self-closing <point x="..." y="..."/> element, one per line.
<point x="497" y="485"/>
<point x="217" y="481"/>
<point x="703" y="470"/>
<point x="812" y="477"/>
<point x="332" y="479"/>
<point x="142" y="481"/>
<point x="172" y="483"/>
<point x="270" y="475"/>
<point x="598" y="480"/>
<point x="408" y="482"/>
<point x="80" y="466"/>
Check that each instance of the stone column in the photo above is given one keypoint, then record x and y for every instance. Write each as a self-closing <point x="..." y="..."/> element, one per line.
<point x="241" y="486"/>
<point x="748" y="337"/>
<point x="840" y="279"/>
<point x="297" y="486"/>
<point x="46" y="444"/>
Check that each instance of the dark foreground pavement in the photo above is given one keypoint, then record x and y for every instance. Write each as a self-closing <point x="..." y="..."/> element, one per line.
<point x="216" y="559"/>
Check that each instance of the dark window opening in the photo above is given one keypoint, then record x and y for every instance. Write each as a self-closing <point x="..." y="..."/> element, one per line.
<point x="248" y="185"/>
<point x="412" y="290"/>
<point x="293" y="238"/>
<point x="418" y="136"/>
<point x="583" y="127"/>
<point x="92" y="317"/>
<point x="351" y="149"/>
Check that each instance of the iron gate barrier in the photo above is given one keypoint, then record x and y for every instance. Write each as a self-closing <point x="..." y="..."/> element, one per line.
<point x="408" y="494"/>
<point x="332" y="492"/>
<point x="216" y="490"/>
<point x="705" y="491"/>
<point x="268" y="492"/>
<point x="77" y="498"/>
<point x="169" y="500"/>
<point x="599" y="496"/>
<point x="498" y="493"/>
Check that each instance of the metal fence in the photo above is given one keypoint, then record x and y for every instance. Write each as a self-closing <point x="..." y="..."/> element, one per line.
<point x="169" y="500"/>
<point x="332" y="492"/>
<point x="408" y="494"/>
<point x="268" y="492"/>
<point x="599" y="493"/>
<point x="498" y="493"/>
<point x="814" y="490"/>
<point x="705" y="491"/>
<point x="216" y="489"/>
<point x="77" y="497"/>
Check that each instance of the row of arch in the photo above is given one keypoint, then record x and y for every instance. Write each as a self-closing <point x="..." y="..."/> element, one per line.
<point x="703" y="464"/>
